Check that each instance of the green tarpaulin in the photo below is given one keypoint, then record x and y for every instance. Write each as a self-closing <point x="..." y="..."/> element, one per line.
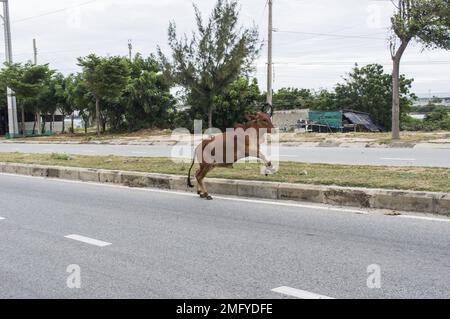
<point x="330" y="119"/>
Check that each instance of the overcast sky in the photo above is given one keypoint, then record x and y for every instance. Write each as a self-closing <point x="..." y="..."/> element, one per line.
<point x="316" y="43"/>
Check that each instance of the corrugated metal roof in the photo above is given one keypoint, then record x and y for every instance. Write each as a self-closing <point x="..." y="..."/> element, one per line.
<point x="362" y="119"/>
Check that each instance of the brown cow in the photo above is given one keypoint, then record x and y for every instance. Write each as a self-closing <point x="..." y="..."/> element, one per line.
<point x="226" y="149"/>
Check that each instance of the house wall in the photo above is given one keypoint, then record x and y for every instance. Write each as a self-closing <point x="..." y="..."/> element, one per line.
<point x="57" y="126"/>
<point x="287" y="120"/>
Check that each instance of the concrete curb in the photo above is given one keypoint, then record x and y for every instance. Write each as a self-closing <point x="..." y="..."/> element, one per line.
<point x="422" y="202"/>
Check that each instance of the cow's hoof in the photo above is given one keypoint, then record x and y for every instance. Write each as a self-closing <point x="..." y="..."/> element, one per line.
<point x="209" y="197"/>
<point x="203" y="195"/>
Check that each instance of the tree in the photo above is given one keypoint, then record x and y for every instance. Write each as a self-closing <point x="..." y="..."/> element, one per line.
<point x="425" y="21"/>
<point x="368" y="89"/>
<point x="147" y="101"/>
<point x="216" y="55"/>
<point x="242" y="97"/>
<point x="438" y="115"/>
<point x="27" y="81"/>
<point x="63" y="104"/>
<point x="46" y="101"/>
<point x="324" y="100"/>
<point x="292" y="98"/>
<point x="70" y="106"/>
<point x="105" y="78"/>
<point x="79" y="98"/>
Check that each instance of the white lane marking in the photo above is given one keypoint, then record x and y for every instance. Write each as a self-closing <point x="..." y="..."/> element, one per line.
<point x="2" y="218"/>
<point x="88" y="240"/>
<point x="254" y="201"/>
<point x="302" y="294"/>
<point x="398" y="159"/>
<point x="425" y="218"/>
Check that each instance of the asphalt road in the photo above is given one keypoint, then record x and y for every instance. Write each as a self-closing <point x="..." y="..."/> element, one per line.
<point x="169" y="245"/>
<point x="426" y="157"/>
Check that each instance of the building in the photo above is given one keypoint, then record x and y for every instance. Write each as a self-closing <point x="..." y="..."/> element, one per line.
<point x="341" y="121"/>
<point x="53" y="123"/>
<point x="304" y="120"/>
<point x="290" y="120"/>
<point x="440" y="101"/>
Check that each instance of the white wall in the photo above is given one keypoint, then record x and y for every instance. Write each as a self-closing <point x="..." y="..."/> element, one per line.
<point x="57" y="126"/>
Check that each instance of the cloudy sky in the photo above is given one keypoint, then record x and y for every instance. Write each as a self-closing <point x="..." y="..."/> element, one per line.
<point x="316" y="43"/>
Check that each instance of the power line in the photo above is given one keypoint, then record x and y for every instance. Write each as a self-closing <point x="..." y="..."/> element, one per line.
<point x="344" y="63"/>
<point x="332" y="35"/>
<point x="55" y="11"/>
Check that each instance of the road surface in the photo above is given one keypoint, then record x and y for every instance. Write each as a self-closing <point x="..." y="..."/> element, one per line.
<point x="426" y="157"/>
<point x="133" y="243"/>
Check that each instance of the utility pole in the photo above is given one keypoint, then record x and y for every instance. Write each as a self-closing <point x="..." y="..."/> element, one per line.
<point x="12" y="106"/>
<point x="130" y="49"/>
<point x="38" y="114"/>
<point x="269" y="58"/>
<point x="35" y="53"/>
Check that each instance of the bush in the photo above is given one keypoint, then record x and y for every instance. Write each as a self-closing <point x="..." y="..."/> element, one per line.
<point x="408" y="123"/>
<point x="60" y="157"/>
<point x="440" y="114"/>
<point x="437" y="120"/>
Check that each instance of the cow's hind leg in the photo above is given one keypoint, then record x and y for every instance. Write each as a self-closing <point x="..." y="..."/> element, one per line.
<point x="204" y="170"/>
<point x="199" y="188"/>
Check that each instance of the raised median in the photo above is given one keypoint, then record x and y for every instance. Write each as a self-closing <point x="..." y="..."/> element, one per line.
<point x="424" y="190"/>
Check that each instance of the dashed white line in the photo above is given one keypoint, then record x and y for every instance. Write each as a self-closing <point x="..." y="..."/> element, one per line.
<point x="2" y="218"/>
<point x="88" y="240"/>
<point x="297" y="293"/>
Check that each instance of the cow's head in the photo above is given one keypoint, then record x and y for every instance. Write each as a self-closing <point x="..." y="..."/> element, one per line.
<point x="260" y="121"/>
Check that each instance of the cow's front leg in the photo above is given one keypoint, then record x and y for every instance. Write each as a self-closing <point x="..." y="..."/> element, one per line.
<point x="269" y="168"/>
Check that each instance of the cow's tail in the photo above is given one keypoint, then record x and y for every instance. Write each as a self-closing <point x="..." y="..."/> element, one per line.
<point x="189" y="182"/>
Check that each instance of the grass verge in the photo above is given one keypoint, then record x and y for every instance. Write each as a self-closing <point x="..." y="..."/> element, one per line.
<point x="402" y="178"/>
